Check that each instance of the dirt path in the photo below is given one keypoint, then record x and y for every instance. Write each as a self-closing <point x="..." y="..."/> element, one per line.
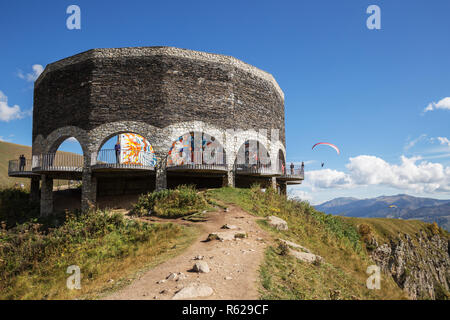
<point x="234" y="264"/>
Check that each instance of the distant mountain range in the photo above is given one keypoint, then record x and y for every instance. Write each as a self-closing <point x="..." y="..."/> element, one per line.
<point x="400" y="206"/>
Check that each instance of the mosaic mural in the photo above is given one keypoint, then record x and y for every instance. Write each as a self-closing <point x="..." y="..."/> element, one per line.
<point x="253" y="153"/>
<point x="135" y="149"/>
<point x="195" y="147"/>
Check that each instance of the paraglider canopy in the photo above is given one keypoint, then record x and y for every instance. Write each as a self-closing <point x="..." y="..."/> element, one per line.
<point x="328" y="144"/>
<point x="392" y="206"/>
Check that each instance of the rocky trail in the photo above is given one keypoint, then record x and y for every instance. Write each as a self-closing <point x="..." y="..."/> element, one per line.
<point x="225" y="267"/>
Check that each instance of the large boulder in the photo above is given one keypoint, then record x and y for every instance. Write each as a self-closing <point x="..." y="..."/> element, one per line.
<point x="277" y="223"/>
<point x="193" y="290"/>
<point x="201" y="267"/>
<point x="294" y="245"/>
<point x="305" y="256"/>
<point x="222" y="236"/>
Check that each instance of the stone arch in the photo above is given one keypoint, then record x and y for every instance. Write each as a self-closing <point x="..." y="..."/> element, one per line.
<point x="277" y="148"/>
<point x="240" y="137"/>
<point x="173" y="132"/>
<point x="38" y="145"/>
<point x="99" y="135"/>
<point x="248" y="157"/>
<point x="214" y="153"/>
<point x="58" y="136"/>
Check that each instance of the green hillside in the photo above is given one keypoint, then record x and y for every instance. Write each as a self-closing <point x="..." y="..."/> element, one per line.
<point x="11" y="151"/>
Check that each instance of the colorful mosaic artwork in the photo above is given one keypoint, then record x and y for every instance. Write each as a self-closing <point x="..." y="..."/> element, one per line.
<point x="192" y="147"/>
<point x="252" y="152"/>
<point x="135" y="149"/>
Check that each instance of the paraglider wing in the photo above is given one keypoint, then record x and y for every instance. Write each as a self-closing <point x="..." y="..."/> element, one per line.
<point x="328" y="144"/>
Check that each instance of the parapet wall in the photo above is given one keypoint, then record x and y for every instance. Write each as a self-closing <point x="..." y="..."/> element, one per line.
<point x="158" y="86"/>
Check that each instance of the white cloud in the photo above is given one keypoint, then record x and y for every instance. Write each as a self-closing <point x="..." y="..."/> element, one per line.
<point x="413" y="142"/>
<point x="365" y="170"/>
<point x="327" y="178"/>
<point x="8" y="113"/>
<point x="7" y="139"/>
<point x="31" y="77"/>
<point x="299" y="195"/>
<point x="71" y="139"/>
<point x="441" y="104"/>
<point x="444" y="141"/>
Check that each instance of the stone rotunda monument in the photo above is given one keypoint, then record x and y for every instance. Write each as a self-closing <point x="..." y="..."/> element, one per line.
<point x="207" y="119"/>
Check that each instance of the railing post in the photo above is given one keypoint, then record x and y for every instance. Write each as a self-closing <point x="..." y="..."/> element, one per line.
<point x="274" y="183"/>
<point x="283" y="188"/>
<point x="161" y="171"/>
<point x="46" y="196"/>
<point x="89" y="186"/>
<point x="231" y="175"/>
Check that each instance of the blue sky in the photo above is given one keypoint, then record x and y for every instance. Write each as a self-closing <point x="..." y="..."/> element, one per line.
<point x="363" y="90"/>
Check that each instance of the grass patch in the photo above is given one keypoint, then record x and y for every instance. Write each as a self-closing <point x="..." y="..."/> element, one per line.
<point x="34" y="259"/>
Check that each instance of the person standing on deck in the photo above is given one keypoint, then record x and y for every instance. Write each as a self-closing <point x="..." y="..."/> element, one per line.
<point x="117" y="149"/>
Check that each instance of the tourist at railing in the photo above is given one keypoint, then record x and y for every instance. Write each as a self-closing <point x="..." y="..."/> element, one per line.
<point x="22" y="162"/>
<point x="292" y="168"/>
<point x="117" y="149"/>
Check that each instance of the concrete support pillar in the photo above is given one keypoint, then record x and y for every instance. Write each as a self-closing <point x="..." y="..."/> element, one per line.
<point x="283" y="188"/>
<point x="46" y="196"/>
<point x="88" y="190"/>
<point x="161" y="172"/>
<point x="274" y="183"/>
<point x="34" y="189"/>
<point x="230" y="176"/>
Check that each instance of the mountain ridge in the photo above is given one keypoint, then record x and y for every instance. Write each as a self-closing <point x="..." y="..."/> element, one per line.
<point x="401" y="206"/>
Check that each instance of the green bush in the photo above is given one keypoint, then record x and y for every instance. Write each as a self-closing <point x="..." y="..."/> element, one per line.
<point x="16" y="208"/>
<point x="173" y="203"/>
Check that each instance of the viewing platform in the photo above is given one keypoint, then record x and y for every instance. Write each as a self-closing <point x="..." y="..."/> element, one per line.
<point x="107" y="161"/>
<point x="293" y="176"/>
<point x="16" y="170"/>
<point x="199" y="162"/>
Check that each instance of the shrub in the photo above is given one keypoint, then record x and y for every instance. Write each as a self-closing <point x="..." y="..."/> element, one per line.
<point x="16" y="208"/>
<point x="182" y="201"/>
<point x="283" y="248"/>
<point x="434" y="228"/>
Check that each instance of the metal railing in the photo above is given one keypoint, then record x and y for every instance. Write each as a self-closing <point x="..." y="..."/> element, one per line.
<point x="108" y="158"/>
<point x="291" y="171"/>
<point x="258" y="168"/>
<point x="18" y="166"/>
<point x="58" y="162"/>
<point x="198" y="160"/>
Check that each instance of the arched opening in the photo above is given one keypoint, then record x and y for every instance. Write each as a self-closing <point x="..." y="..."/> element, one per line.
<point x="124" y="169"/>
<point x="65" y="154"/>
<point x="64" y="164"/>
<point x="126" y="150"/>
<point x="252" y="154"/>
<point x="252" y="165"/>
<point x="196" y="158"/>
<point x="196" y="148"/>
